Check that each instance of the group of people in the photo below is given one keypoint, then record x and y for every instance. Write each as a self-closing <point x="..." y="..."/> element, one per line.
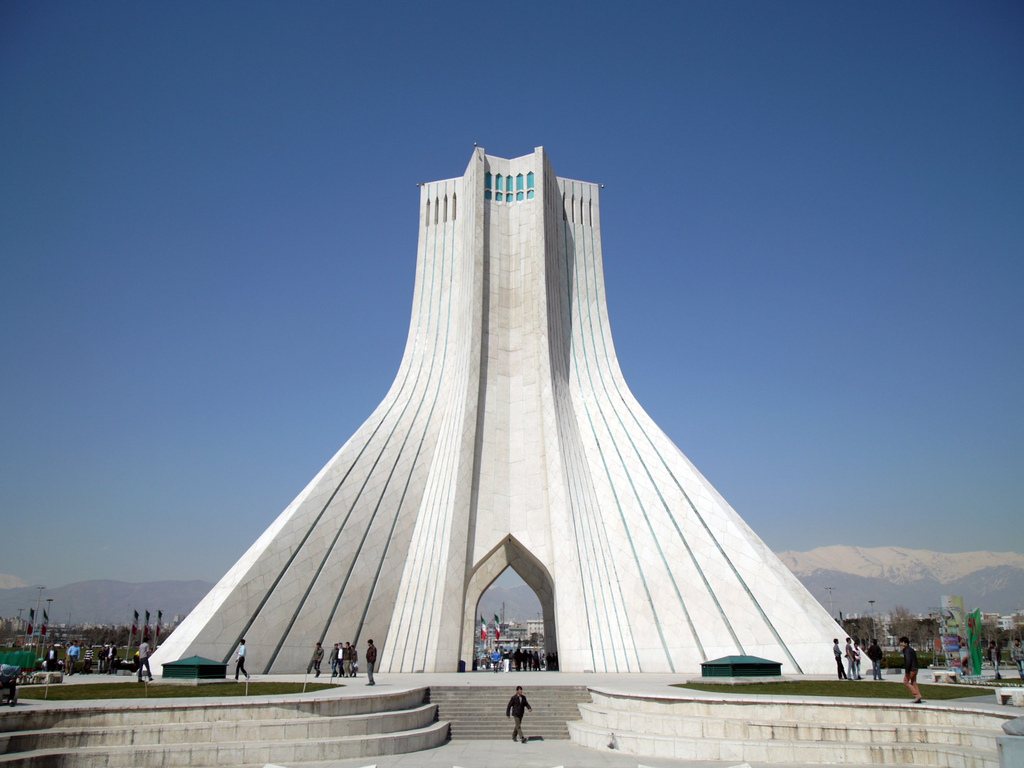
<point x="74" y="654"/>
<point x="994" y="653"/>
<point x="911" y="665"/>
<point x="519" y="660"/>
<point x="344" y="660"/>
<point x="852" y="654"/>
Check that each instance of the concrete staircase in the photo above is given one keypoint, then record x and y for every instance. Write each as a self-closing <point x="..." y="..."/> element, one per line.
<point x="221" y="733"/>
<point x="790" y="730"/>
<point x="479" y="713"/>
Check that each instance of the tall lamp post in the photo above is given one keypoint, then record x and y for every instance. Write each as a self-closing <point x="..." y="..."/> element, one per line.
<point x="49" y="600"/>
<point x="871" y="609"/>
<point x="831" y="610"/>
<point x="39" y="602"/>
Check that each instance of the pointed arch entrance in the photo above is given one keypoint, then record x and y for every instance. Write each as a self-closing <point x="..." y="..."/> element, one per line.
<point x="508" y="554"/>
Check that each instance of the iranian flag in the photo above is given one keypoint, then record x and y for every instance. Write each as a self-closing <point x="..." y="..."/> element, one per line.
<point x="31" y="620"/>
<point x="483" y="629"/>
<point x="46" y="620"/>
<point x="135" y="626"/>
<point x="497" y="628"/>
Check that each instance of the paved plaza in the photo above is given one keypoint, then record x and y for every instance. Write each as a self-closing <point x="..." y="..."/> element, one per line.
<point x="502" y="751"/>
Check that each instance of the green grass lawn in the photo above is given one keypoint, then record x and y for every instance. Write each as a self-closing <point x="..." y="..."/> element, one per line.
<point x="844" y="688"/>
<point x="134" y="690"/>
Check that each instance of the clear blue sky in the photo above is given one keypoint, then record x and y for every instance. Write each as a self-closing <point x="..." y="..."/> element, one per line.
<point x="813" y="233"/>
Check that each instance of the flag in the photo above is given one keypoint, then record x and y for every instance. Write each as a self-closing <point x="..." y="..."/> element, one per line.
<point x="46" y="620"/>
<point x="974" y="630"/>
<point x="497" y="628"/>
<point x="483" y="629"/>
<point x="31" y="620"/>
<point x="135" y="625"/>
<point x="159" y="618"/>
<point x="145" y="628"/>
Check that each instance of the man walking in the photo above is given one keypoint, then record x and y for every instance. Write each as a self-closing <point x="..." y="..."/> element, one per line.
<point x="875" y="654"/>
<point x="335" y="660"/>
<point x="144" y="660"/>
<point x="1017" y="657"/>
<point x="994" y="652"/>
<point x="910" y="667"/>
<point x="346" y="660"/>
<point x="315" y="659"/>
<point x="516" y="708"/>
<point x="240" y="663"/>
<point x="371" y="661"/>
<point x="837" y="652"/>
<point x="71" y="658"/>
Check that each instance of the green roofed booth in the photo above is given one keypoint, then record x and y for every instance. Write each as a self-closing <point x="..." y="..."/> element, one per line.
<point x="195" y="668"/>
<point x="23" y="659"/>
<point x="741" y="666"/>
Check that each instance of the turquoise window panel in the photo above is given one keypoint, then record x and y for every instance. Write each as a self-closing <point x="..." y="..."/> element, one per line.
<point x="487" y="181"/>
<point x="519" y="195"/>
<point x="497" y="181"/>
<point x="487" y="194"/>
<point x="508" y="184"/>
<point x="519" y="182"/>
<point x="529" y="179"/>
<point x="529" y="195"/>
<point x="497" y="196"/>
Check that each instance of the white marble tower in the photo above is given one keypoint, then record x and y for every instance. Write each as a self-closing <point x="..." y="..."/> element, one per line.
<point x="509" y="438"/>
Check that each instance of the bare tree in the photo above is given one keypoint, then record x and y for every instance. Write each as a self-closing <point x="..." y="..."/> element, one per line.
<point x="902" y="622"/>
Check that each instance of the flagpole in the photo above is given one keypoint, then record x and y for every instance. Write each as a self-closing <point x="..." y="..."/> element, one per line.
<point x="128" y="653"/>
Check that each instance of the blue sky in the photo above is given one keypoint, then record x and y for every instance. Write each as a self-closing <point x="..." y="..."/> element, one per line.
<point x="813" y="223"/>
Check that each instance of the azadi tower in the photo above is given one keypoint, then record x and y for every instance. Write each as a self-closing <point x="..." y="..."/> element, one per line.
<point x="510" y="439"/>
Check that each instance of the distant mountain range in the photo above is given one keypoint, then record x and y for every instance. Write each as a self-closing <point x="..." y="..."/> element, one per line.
<point x="105" y="602"/>
<point x="914" y="578"/>
<point x="891" y="576"/>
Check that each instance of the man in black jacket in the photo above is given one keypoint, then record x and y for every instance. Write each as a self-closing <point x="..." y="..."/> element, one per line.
<point x="516" y="707"/>
<point x="910" y="667"/>
<point x="875" y="654"/>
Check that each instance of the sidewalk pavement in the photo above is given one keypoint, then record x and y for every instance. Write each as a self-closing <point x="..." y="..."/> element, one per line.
<point x="501" y="751"/>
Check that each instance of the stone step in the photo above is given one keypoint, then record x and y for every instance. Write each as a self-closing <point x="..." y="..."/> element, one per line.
<point x="880" y="711"/>
<point x="232" y="753"/>
<point x="781" y="751"/>
<point x="206" y="712"/>
<point x="782" y="730"/>
<point x="246" y="731"/>
<point x="479" y="713"/>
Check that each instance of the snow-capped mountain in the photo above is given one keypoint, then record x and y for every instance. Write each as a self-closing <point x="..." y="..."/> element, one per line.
<point x="914" y="578"/>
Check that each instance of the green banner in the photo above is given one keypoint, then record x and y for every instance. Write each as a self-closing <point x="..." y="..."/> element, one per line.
<point x="974" y="640"/>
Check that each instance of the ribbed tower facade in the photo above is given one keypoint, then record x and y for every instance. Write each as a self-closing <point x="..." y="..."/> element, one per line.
<point x="510" y="439"/>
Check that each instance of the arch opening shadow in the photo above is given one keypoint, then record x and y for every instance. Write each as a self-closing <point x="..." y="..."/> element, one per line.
<point x="508" y="554"/>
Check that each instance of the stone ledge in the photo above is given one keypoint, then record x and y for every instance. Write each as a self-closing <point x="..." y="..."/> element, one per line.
<point x="1011" y="696"/>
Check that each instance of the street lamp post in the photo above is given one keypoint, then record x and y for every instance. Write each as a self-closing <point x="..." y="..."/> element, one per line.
<point x="871" y="603"/>
<point x="831" y="609"/>
<point x="49" y="600"/>
<point x="39" y="602"/>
